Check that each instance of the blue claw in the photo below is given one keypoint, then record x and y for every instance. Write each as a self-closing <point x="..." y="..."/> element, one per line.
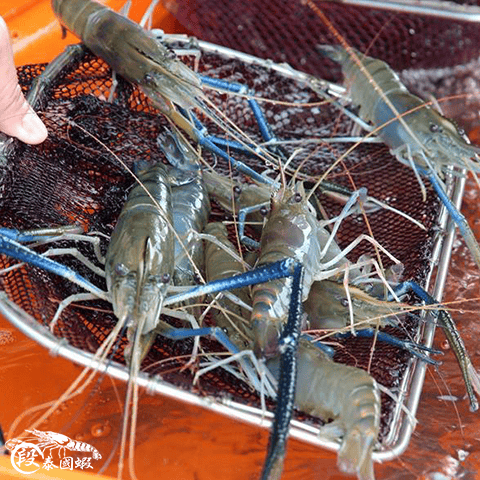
<point x="265" y="273"/>
<point x="216" y="332"/>
<point x="456" y="216"/>
<point x="17" y="235"/>
<point x="209" y="142"/>
<point x="223" y="147"/>
<point x="264" y="127"/>
<point x="470" y="378"/>
<point x="288" y="345"/>
<point x="408" y="345"/>
<point x="24" y="254"/>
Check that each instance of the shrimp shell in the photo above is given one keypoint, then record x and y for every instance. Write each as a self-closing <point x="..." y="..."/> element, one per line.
<point x="346" y="394"/>
<point x="422" y="133"/>
<point x="131" y="51"/>
<point x="140" y="257"/>
<point x="220" y="264"/>
<point x="291" y="231"/>
<point x="327" y="307"/>
<point x="191" y="208"/>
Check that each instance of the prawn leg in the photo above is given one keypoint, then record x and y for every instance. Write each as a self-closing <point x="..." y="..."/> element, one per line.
<point x="26" y="236"/>
<point x="166" y="330"/>
<point x="43" y="236"/>
<point x="24" y="254"/>
<point x="411" y="347"/>
<point x="469" y="374"/>
<point x="456" y="215"/>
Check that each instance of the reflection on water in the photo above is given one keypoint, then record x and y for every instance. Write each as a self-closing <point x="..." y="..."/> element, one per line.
<point x="181" y="442"/>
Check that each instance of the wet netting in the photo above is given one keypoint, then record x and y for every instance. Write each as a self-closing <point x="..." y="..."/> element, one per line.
<point x="426" y="50"/>
<point x="289" y="31"/>
<point x="73" y="179"/>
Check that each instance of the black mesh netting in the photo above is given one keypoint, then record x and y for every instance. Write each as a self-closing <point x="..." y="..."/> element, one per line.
<point x="424" y="49"/>
<point x="289" y="31"/>
<point x="73" y="179"/>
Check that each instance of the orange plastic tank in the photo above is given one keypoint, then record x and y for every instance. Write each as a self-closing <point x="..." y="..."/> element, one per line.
<point x="180" y="442"/>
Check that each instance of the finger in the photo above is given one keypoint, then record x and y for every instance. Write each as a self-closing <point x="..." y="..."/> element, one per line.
<point x="17" y="118"/>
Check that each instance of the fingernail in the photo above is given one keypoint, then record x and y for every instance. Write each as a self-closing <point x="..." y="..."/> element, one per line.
<point x="32" y="130"/>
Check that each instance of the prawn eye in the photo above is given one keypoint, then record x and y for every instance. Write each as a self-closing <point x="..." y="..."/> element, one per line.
<point x="165" y="278"/>
<point x="170" y="54"/>
<point x="149" y="80"/>
<point x="263" y="211"/>
<point x="237" y="191"/>
<point x="434" y="128"/>
<point x="461" y="131"/>
<point x="297" y="198"/>
<point x="121" y="269"/>
<point x="344" y="302"/>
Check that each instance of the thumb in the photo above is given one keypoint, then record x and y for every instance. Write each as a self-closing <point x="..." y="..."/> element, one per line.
<point x="17" y="118"/>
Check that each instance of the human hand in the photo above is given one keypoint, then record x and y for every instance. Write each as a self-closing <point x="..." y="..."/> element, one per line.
<point x="17" y="117"/>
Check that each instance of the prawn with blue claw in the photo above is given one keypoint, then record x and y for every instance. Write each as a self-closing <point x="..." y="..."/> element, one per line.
<point x="417" y="134"/>
<point x="324" y="388"/>
<point x="162" y="268"/>
<point x="150" y="209"/>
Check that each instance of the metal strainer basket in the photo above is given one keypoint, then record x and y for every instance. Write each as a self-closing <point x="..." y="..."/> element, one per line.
<point x="72" y="178"/>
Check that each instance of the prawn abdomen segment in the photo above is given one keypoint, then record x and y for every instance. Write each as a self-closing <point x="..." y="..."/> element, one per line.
<point x="347" y="395"/>
<point x="270" y="308"/>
